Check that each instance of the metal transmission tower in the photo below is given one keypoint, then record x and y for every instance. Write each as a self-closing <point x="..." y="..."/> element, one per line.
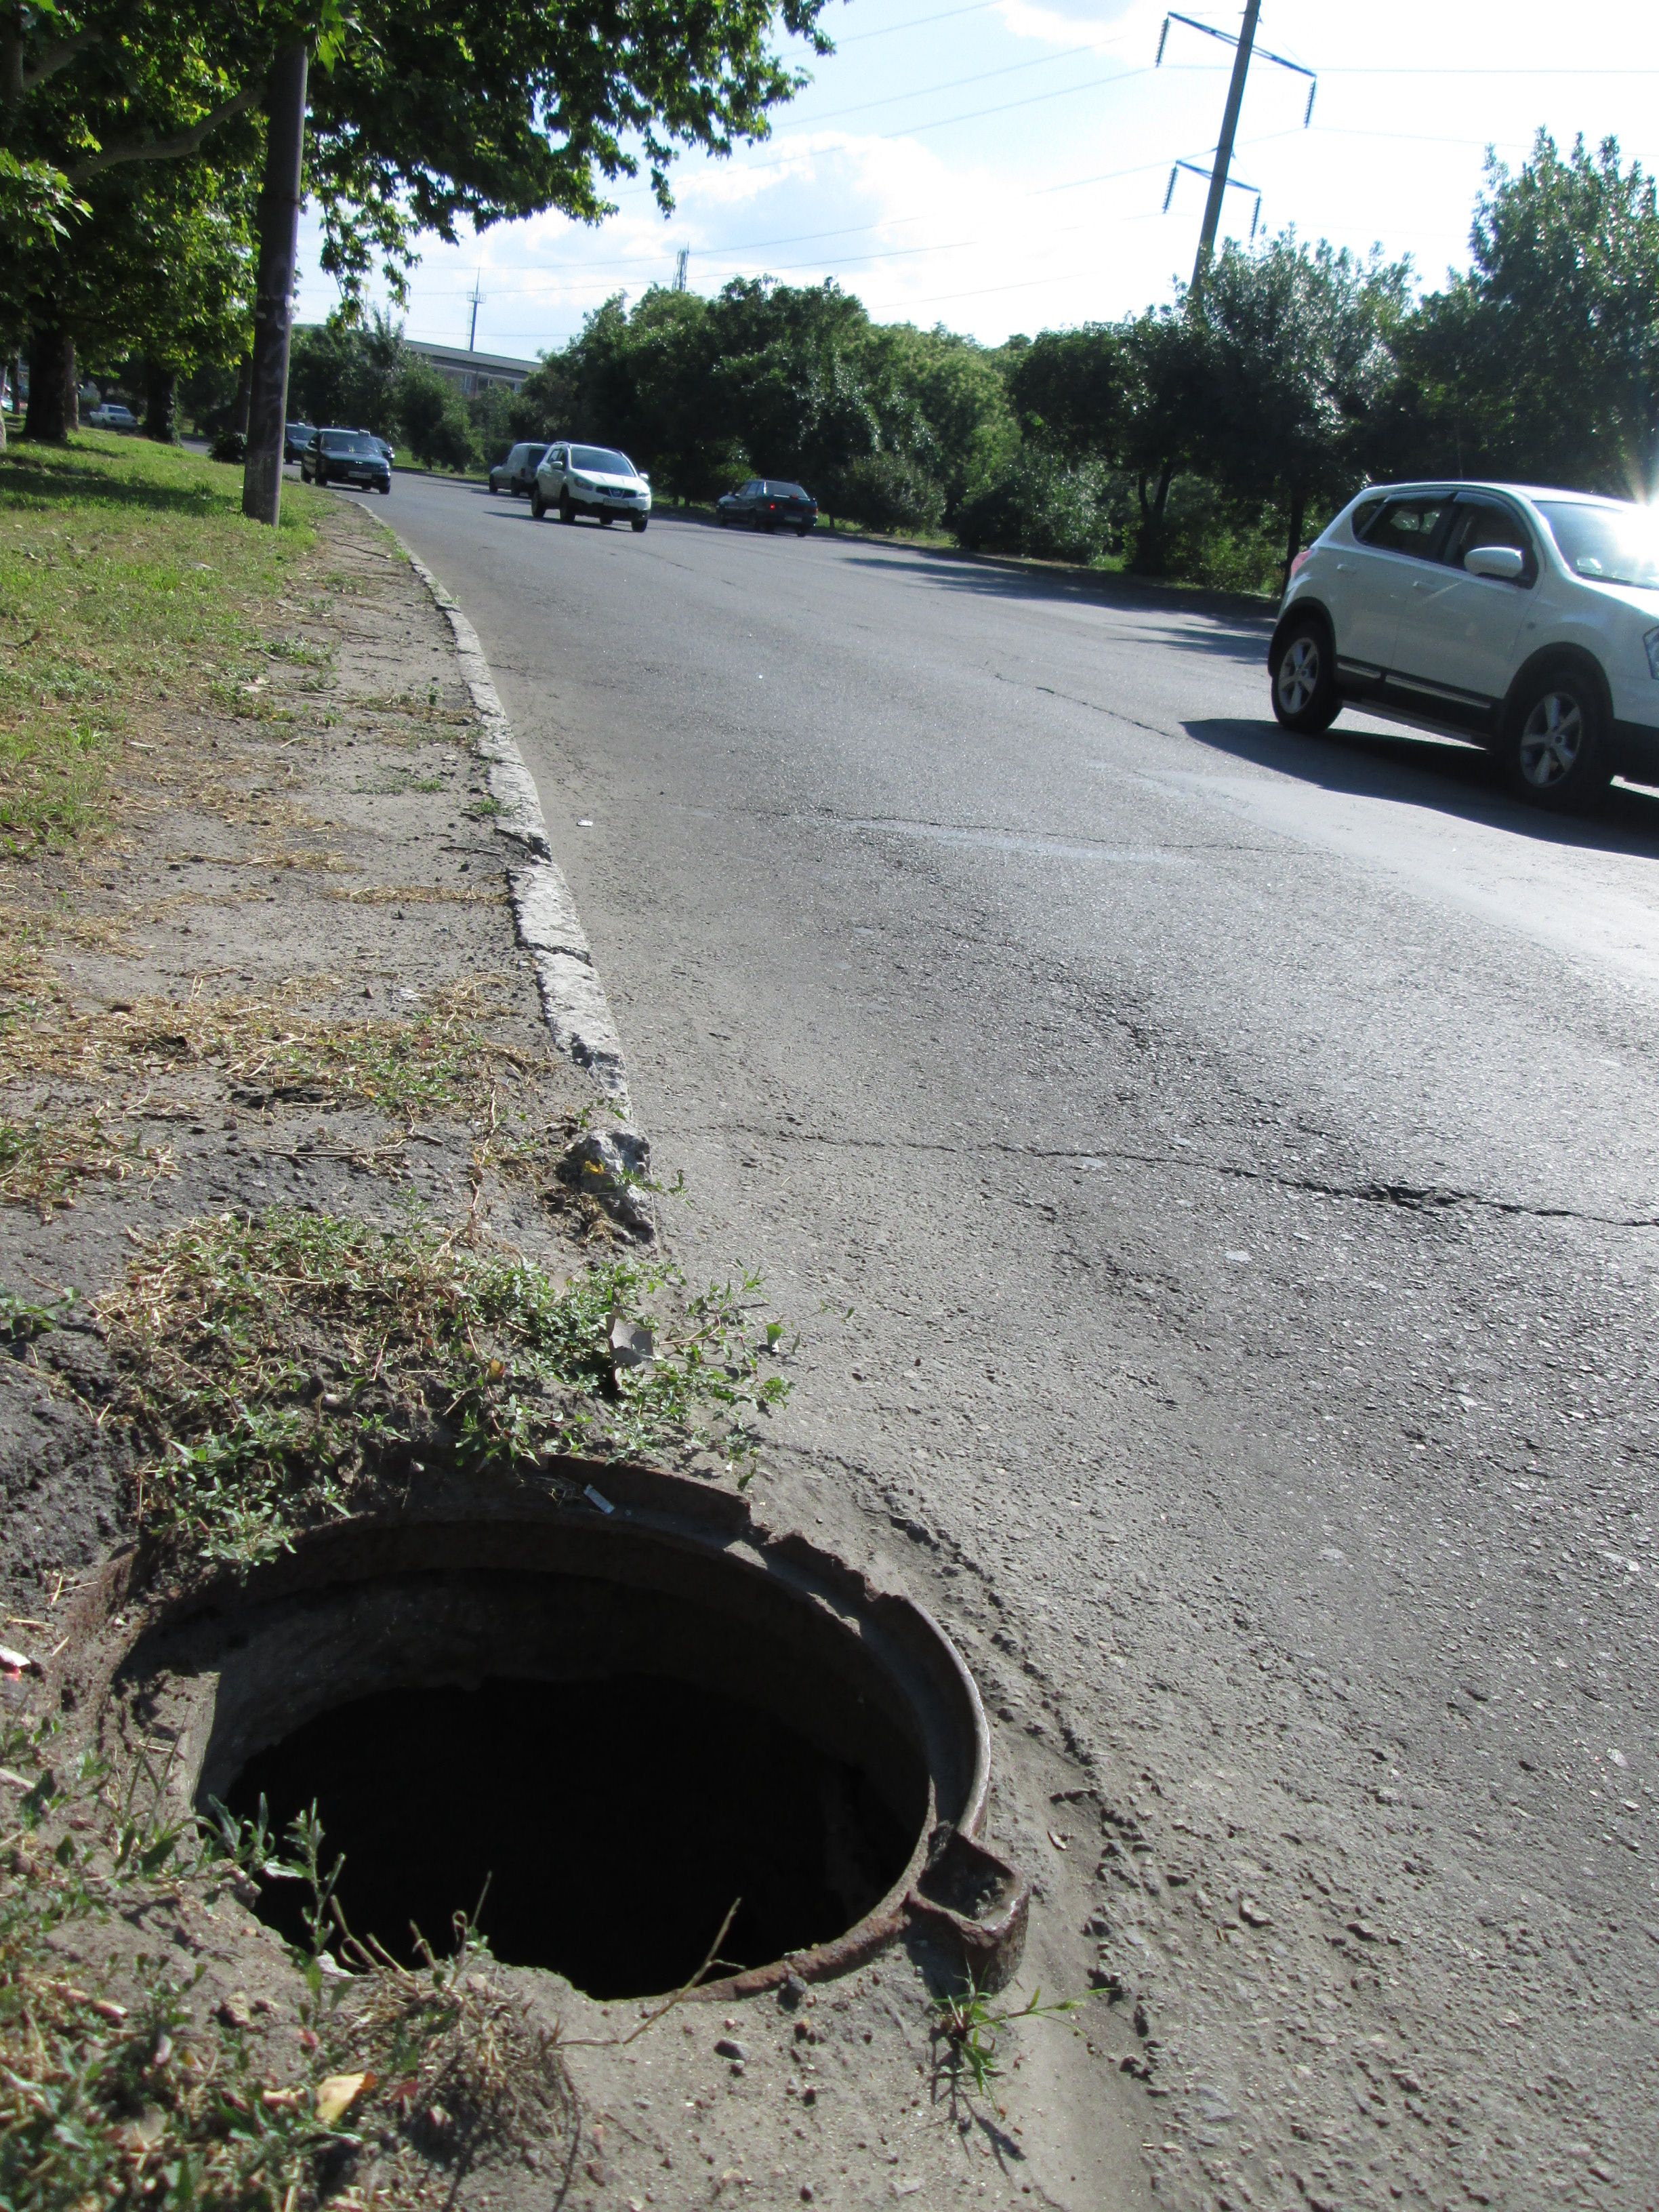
<point x="680" y="260"/>
<point x="1244" y="45"/>
<point x="477" y="302"/>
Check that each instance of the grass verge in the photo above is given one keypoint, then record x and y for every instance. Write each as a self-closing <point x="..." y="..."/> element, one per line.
<point x="130" y="581"/>
<point x="274" y="1364"/>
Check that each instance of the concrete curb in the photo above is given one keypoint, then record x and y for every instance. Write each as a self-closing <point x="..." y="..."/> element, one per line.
<point x="574" y="1005"/>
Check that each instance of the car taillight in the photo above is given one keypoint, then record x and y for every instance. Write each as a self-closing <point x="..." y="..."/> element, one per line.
<point x="1300" y="563"/>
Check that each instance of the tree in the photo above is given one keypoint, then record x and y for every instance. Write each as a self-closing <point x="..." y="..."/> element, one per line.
<point x="1543" y="362"/>
<point x="159" y="266"/>
<point x="1074" y="392"/>
<point x="347" y="372"/>
<point x="1287" y="351"/>
<point x="432" y="417"/>
<point x="961" y="426"/>
<point x="479" y="110"/>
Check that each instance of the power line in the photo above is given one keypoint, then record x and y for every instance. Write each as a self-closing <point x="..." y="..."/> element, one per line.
<point x="915" y="22"/>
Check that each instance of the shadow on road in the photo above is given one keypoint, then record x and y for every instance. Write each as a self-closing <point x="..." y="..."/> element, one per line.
<point x="1424" y="771"/>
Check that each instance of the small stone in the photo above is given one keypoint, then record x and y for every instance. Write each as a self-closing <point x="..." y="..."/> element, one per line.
<point x="1364" y="1931"/>
<point x="235" y="2011"/>
<point x="806" y="2192"/>
<point x="729" y="2047"/>
<point x="1253" y="1915"/>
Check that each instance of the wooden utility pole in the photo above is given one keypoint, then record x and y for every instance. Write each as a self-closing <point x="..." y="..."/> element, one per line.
<point x="1224" y="152"/>
<point x="273" y="299"/>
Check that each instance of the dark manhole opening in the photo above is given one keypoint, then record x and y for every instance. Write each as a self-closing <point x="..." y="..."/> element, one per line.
<point x="614" y="1821"/>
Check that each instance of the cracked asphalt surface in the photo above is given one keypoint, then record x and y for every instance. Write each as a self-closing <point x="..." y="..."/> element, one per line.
<point x="1237" y="1156"/>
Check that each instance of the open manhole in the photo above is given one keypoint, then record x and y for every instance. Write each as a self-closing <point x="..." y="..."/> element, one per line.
<point x="600" y="1731"/>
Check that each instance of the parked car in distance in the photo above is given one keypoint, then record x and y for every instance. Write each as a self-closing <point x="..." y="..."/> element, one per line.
<point x="296" y="436"/>
<point x="516" y="474"/>
<point x="768" y="503"/>
<point x="346" y="457"/>
<point x="110" y="416"/>
<point x="589" y="480"/>
<point x="1523" y="619"/>
<point x="388" y="449"/>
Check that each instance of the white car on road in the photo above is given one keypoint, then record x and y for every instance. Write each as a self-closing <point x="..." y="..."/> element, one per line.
<point x="589" y="480"/>
<point x="1522" y="619"/>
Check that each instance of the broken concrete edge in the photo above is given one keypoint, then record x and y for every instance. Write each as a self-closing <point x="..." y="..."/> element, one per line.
<point x="574" y="1004"/>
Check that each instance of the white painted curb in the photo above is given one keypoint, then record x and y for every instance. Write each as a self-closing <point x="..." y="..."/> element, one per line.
<point x="574" y="1005"/>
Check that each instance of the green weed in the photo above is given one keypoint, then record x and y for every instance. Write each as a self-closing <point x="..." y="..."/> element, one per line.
<point x="970" y="2028"/>
<point x="273" y="1363"/>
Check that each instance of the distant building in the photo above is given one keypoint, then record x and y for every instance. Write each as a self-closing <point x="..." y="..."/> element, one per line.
<point x="473" y="372"/>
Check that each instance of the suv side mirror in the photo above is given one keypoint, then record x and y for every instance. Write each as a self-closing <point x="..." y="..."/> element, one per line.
<point x="1505" y="564"/>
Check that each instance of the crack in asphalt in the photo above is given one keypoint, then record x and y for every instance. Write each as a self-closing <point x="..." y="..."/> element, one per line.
<point x="1404" y="1197"/>
<point x="1112" y="713"/>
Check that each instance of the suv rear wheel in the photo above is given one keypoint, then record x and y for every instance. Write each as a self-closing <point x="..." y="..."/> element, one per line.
<point x="1305" y="696"/>
<point x="1558" y="755"/>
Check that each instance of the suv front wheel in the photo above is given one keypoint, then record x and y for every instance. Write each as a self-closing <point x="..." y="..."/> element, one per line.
<point x="1558" y="753"/>
<point x="1305" y="696"/>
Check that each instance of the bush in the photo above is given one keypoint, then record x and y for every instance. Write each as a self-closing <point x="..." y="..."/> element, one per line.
<point x="889" y="491"/>
<point x="1044" y="508"/>
<point x="230" y="445"/>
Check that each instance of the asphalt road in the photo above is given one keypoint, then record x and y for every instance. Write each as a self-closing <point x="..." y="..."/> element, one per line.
<point x="1238" y="1156"/>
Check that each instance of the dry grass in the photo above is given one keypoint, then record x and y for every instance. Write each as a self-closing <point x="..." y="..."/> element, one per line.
<point x="436" y="1060"/>
<point x="44" y="1159"/>
<point x="422" y="894"/>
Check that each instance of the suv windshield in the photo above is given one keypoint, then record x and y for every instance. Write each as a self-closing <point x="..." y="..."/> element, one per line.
<point x="1611" y="544"/>
<point x="351" y="442"/>
<point x="601" y="460"/>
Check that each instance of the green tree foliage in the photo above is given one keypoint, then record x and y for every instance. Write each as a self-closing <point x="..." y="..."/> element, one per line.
<point x="1287" y="352"/>
<point x="1075" y="391"/>
<point x="1542" y="364"/>
<point x="348" y="374"/>
<point x="479" y="110"/>
<point x="432" y="417"/>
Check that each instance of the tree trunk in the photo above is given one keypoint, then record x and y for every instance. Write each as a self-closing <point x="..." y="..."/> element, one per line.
<point x="273" y="299"/>
<point x="161" y="403"/>
<point x="1294" y="542"/>
<point x="54" y="386"/>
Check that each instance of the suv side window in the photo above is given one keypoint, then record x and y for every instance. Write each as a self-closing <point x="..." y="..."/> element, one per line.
<point x="1409" y="526"/>
<point x="1481" y="522"/>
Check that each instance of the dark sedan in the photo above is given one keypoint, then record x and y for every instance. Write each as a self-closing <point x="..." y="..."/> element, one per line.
<point x="767" y="503"/>
<point x="346" y="457"/>
<point x="296" y="436"/>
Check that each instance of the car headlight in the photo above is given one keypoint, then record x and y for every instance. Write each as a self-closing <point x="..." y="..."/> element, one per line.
<point x="1651" y="640"/>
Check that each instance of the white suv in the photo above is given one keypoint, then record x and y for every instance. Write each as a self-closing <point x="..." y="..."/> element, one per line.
<point x="1525" y="620"/>
<point x="589" y="480"/>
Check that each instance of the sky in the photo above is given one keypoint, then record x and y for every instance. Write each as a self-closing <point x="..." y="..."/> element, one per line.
<point x="999" y="166"/>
